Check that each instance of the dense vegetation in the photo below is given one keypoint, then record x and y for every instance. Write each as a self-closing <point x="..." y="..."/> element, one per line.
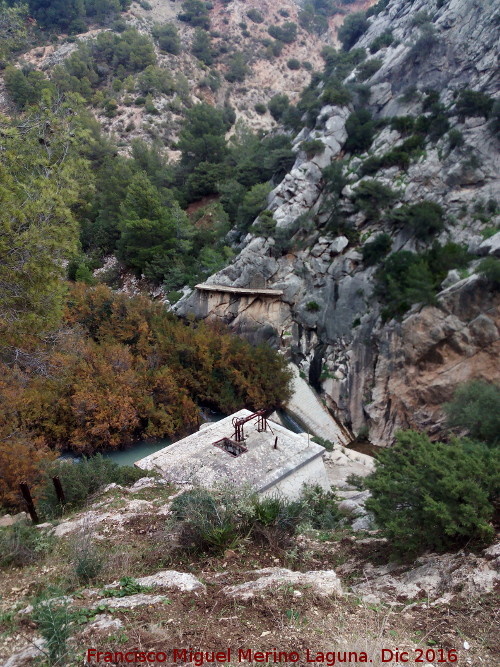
<point x="405" y="277"/>
<point x="73" y="16"/>
<point x="121" y="369"/>
<point x="432" y="495"/>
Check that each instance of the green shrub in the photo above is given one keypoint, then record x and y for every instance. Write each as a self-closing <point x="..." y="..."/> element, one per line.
<point x="237" y="68"/>
<point x="195" y="12"/>
<point x="278" y="104"/>
<point x="423" y="46"/>
<point x="260" y="108"/>
<point x="371" y="196"/>
<point x="339" y="96"/>
<point x="360" y="131"/>
<point x="320" y="508"/>
<point x="455" y="139"/>
<point x="22" y="544"/>
<point x="293" y="64"/>
<point x="265" y="224"/>
<point x="278" y="512"/>
<point x="424" y="219"/>
<point x="475" y="408"/>
<point x="126" y="586"/>
<point x="383" y="40"/>
<point x="433" y="496"/>
<point x="201" y="47"/>
<point x="167" y="37"/>
<point x="370" y="166"/>
<point x="53" y="617"/>
<point x="489" y="268"/>
<point x="327" y="444"/>
<point x="255" y="16"/>
<point x="473" y="103"/>
<point x="312" y="147"/>
<point x="377" y="8"/>
<point x="210" y="521"/>
<point x="312" y="306"/>
<point x="253" y="203"/>
<point x="368" y="69"/>
<point x="375" y="250"/>
<point x="357" y="481"/>
<point x="440" y="259"/>
<point x="286" y="33"/>
<point x="86" y="557"/>
<point x="354" y="27"/>
<point x="407" y="278"/>
<point x="494" y="124"/>
<point x="403" y="124"/>
<point x="420" y="18"/>
<point x="404" y="279"/>
<point x="81" y="479"/>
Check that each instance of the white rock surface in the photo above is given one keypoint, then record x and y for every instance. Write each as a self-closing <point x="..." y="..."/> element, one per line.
<point x="130" y="601"/>
<point x="434" y="576"/>
<point x="323" y="582"/>
<point x="182" y="581"/>
<point x="105" y="622"/>
<point x="27" y="655"/>
<point x="490" y="246"/>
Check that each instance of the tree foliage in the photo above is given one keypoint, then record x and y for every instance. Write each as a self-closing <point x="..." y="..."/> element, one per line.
<point x="195" y="12"/>
<point x="360" y="131"/>
<point x="424" y="219"/>
<point x="167" y="36"/>
<point x="354" y="27"/>
<point x="286" y="33"/>
<point x="41" y="179"/>
<point x="475" y="408"/>
<point x="13" y="30"/>
<point x="74" y="15"/>
<point x="123" y="369"/>
<point x="433" y="496"/>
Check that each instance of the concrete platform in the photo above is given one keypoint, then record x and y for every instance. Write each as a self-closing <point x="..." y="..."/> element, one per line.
<point x="261" y="467"/>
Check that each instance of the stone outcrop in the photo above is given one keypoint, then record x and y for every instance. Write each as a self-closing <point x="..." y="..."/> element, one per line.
<point x="377" y="375"/>
<point x="322" y="583"/>
<point x="436" y="578"/>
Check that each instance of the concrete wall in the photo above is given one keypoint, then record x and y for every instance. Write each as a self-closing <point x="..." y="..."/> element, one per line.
<point x="313" y="472"/>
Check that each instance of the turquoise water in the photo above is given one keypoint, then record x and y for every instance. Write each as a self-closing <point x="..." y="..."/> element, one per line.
<point x="142" y="448"/>
<point x="127" y="457"/>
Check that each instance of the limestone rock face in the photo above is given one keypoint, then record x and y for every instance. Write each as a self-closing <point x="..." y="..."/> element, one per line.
<point x="322" y="582"/>
<point x="490" y="246"/>
<point x="373" y="374"/>
<point x="438" y="578"/>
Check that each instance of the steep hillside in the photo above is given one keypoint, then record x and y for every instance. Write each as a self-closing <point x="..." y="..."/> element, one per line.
<point x="198" y="77"/>
<point x="121" y="582"/>
<point x="378" y="232"/>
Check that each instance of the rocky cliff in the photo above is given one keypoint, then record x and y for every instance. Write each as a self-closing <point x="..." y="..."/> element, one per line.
<point x="376" y="372"/>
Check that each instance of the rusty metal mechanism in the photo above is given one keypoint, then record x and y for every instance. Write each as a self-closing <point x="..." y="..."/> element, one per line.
<point x="230" y="446"/>
<point x="262" y="424"/>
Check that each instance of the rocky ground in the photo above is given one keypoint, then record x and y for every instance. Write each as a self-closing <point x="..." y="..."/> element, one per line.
<point x="265" y="79"/>
<point x="325" y="591"/>
<point x="381" y="376"/>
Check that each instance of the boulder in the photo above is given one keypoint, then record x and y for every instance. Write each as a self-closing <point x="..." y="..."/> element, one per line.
<point x="490" y="246"/>
<point x="130" y="601"/>
<point x="322" y="582"/>
<point x="27" y="655"/>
